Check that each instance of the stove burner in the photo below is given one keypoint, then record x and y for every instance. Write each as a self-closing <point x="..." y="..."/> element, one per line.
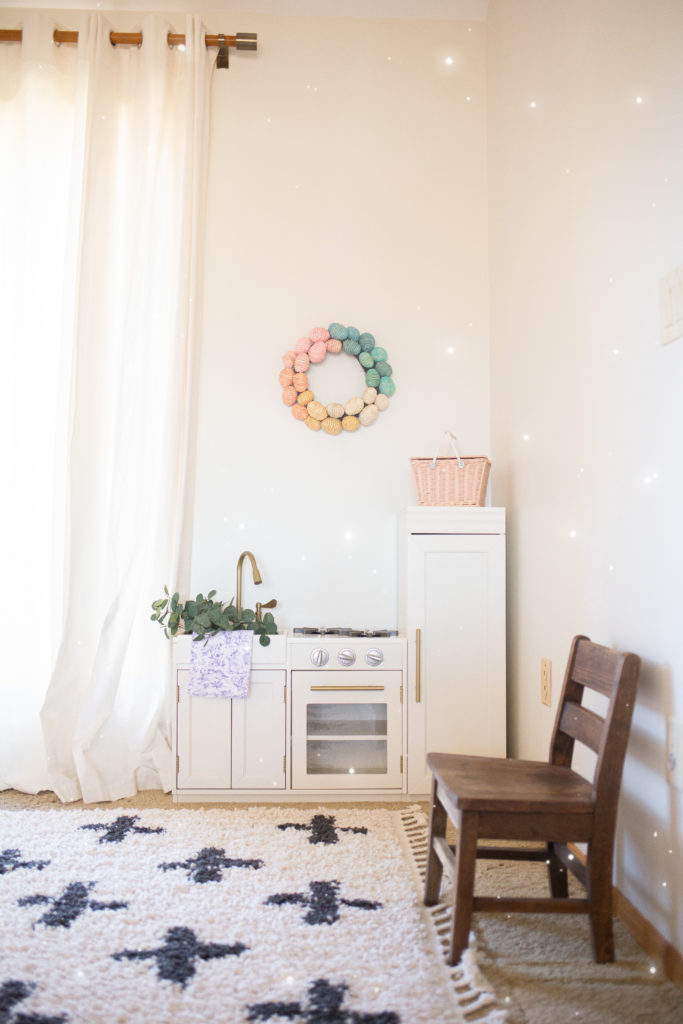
<point x="342" y="631"/>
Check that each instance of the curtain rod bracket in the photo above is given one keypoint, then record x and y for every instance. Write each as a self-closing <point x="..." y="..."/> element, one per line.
<point x="223" y="58"/>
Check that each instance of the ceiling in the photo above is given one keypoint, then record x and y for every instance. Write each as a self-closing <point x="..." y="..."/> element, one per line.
<point x="423" y="10"/>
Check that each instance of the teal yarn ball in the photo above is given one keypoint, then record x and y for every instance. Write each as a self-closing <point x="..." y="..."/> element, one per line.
<point x="386" y="386"/>
<point x="338" y="331"/>
<point x="367" y="342"/>
<point x="366" y="360"/>
<point x="384" y="369"/>
<point x="353" y="333"/>
<point x="372" y="378"/>
<point x="379" y="354"/>
<point x="352" y="347"/>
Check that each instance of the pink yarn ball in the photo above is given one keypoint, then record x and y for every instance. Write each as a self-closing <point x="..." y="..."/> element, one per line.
<point x="319" y="334"/>
<point x="300" y="382"/>
<point x="289" y="395"/>
<point x="317" y="352"/>
<point x="303" y="345"/>
<point x="334" y="345"/>
<point x="286" y="376"/>
<point x="299" y="412"/>
<point x="288" y="359"/>
<point x="302" y="362"/>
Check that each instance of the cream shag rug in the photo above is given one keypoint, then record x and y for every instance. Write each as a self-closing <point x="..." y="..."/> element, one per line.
<point x="257" y="914"/>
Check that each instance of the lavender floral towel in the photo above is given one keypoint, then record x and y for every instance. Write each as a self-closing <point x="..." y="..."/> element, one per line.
<point x="220" y="666"/>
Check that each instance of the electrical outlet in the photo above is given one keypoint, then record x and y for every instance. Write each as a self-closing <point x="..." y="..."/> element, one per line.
<point x="546" y="681"/>
<point x="674" y="752"/>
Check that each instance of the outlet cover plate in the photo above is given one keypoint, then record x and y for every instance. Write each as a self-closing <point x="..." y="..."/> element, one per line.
<point x="546" y="681"/>
<point x="671" y="305"/>
<point x="674" y="751"/>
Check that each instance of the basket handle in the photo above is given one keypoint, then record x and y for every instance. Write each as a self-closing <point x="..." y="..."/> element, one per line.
<point x="451" y="438"/>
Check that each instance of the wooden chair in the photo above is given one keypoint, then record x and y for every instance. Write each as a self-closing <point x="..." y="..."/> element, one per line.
<point x="494" y="798"/>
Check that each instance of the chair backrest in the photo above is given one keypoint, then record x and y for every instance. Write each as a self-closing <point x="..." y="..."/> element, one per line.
<point x="615" y="676"/>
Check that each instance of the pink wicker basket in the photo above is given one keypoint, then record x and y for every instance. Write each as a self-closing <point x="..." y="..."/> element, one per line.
<point x="451" y="480"/>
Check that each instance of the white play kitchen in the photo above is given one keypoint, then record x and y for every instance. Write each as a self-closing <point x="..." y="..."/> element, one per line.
<point x="344" y="712"/>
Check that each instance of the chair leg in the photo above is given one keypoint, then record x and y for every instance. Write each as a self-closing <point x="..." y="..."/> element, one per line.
<point x="599" y="878"/>
<point x="438" y="820"/>
<point x="465" y="864"/>
<point x="557" y="875"/>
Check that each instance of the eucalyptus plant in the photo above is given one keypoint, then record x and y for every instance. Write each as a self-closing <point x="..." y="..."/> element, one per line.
<point x="205" y="617"/>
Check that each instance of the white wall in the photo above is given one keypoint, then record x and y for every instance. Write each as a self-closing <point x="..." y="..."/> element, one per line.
<point x="586" y="214"/>
<point x="348" y="183"/>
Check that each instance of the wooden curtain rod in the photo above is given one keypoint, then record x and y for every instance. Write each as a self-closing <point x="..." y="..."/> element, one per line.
<point x="241" y="40"/>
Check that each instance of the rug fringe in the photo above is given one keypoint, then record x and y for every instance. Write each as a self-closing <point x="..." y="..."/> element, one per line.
<point x="477" y="1001"/>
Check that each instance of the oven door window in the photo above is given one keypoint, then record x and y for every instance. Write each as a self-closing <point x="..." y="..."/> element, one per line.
<point x="339" y="739"/>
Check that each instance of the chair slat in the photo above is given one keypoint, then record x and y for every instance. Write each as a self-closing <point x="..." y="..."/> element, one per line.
<point x="582" y="724"/>
<point x="596" y="667"/>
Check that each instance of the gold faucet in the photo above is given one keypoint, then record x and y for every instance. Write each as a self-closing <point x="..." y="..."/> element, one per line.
<point x="256" y="574"/>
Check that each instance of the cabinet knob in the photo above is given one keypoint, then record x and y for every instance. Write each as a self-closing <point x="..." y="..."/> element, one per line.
<point x="346" y="657"/>
<point x="374" y="657"/>
<point x="319" y="657"/>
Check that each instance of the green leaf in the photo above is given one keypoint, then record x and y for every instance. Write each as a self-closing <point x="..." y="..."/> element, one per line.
<point x="264" y="640"/>
<point x="203" y="620"/>
<point x="247" y="615"/>
<point x="268" y="618"/>
<point x="212" y="593"/>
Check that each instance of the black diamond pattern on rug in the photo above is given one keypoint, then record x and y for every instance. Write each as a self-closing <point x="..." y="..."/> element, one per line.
<point x="65" y="909"/>
<point x="208" y="864"/>
<point x="12" y="993"/>
<point x="324" y="1006"/>
<point x="175" y="958"/>
<point x="323" y="829"/>
<point x="9" y="861"/>
<point x="116" y="831"/>
<point x="323" y="901"/>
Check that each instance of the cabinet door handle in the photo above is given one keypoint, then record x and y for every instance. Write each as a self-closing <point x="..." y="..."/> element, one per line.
<point x="346" y="687"/>
<point x="418" y="666"/>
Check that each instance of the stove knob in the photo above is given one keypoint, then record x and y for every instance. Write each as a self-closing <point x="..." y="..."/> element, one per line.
<point x="319" y="657"/>
<point x="374" y="657"/>
<point x="346" y="657"/>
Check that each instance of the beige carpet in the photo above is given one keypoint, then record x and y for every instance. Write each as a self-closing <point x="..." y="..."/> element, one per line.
<point x="539" y="966"/>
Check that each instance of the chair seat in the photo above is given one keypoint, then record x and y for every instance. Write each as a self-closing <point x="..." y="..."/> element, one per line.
<point x="490" y="784"/>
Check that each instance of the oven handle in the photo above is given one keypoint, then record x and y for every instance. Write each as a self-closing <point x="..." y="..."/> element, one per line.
<point x="346" y="687"/>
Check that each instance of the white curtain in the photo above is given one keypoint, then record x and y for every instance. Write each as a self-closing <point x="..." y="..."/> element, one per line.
<point x="102" y="171"/>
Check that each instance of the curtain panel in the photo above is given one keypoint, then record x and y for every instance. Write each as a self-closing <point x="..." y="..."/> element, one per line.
<point x="103" y="162"/>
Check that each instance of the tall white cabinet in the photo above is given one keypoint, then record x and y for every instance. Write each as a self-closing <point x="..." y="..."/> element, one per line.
<point x="452" y="610"/>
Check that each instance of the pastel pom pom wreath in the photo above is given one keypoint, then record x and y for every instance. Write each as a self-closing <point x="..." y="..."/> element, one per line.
<point x="337" y="417"/>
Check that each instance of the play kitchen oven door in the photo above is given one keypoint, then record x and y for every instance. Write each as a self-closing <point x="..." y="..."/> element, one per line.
<point x="347" y="730"/>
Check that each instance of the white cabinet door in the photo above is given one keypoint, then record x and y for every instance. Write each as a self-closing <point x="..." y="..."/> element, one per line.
<point x="203" y="739"/>
<point x="453" y="611"/>
<point x="258" y="733"/>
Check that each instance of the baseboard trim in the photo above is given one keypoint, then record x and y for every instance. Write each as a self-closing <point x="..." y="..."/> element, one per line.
<point x="647" y="936"/>
<point x="644" y="932"/>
